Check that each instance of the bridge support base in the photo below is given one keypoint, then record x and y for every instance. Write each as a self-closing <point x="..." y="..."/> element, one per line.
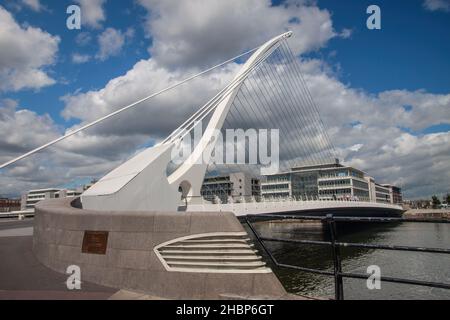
<point x="172" y="255"/>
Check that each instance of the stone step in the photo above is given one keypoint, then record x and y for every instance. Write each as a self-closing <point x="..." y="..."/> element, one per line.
<point x="213" y="258"/>
<point x="209" y="246"/>
<point x="212" y="252"/>
<point x="245" y="240"/>
<point x="225" y="264"/>
<point x="209" y="269"/>
<point x="239" y="237"/>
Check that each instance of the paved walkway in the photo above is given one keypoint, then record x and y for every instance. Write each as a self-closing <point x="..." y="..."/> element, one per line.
<point x="22" y="276"/>
<point x="20" y="232"/>
<point x="427" y="213"/>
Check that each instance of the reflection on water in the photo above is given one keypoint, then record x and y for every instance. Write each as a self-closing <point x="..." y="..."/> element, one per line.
<point x="411" y="265"/>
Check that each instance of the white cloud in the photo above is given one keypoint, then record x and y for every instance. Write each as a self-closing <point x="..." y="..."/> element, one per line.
<point x="92" y="13"/>
<point x="375" y="144"/>
<point x="21" y="65"/>
<point x="419" y="163"/>
<point x="344" y="105"/>
<point x="14" y="137"/>
<point x="83" y="38"/>
<point x="129" y="33"/>
<point x="81" y="156"/>
<point x="33" y="4"/>
<point x="345" y="33"/>
<point x="435" y="5"/>
<point x="96" y="151"/>
<point x="111" y="42"/>
<point x="155" y="117"/>
<point x="356" y="147"/>
<point x="364" y="127"/>
<point x="199" y="33"/>
<point x="80" y="58"/>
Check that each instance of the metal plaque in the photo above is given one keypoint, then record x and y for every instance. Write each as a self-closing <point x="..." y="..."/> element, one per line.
<point x="95" y="242"/>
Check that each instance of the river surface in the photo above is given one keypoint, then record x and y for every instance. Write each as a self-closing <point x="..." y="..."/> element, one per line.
<point x="410" y="265"/>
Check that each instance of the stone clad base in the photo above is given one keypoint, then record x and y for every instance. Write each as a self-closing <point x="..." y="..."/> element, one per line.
<point x="130" y="261"/>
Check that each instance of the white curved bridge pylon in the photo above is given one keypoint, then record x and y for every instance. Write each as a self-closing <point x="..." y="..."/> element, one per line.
<point x="141" y="183"/>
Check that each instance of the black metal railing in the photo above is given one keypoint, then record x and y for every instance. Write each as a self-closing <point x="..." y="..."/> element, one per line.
<point x="337" y="272"/>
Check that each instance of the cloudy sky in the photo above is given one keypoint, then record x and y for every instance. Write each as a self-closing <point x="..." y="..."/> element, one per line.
<point x="384" y="94"/>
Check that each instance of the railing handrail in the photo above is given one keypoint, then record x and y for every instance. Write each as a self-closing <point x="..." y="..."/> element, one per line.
<point x="268" y="198"/>
<point x="337" y="273"/>
<point x="352" y="219"/>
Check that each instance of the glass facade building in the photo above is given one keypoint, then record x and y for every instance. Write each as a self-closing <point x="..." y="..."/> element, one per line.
<point x="332" y="181"/>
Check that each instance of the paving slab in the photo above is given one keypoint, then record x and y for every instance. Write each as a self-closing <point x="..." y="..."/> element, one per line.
<point x="22" y="276"/>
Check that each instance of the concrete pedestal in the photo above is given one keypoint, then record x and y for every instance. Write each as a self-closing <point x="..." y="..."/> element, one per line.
<point x="132" y="262"/>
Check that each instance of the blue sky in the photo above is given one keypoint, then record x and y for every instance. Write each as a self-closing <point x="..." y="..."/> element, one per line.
<point x="410" y="51"/>
<point x="91" y="75"/>
<point x="395" y="80"/>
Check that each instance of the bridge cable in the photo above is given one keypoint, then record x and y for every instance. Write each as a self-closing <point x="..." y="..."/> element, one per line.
<point x="122" y="109"/>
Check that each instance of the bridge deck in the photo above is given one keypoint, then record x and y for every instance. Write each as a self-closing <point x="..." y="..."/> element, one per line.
<point x="318" y="207"/>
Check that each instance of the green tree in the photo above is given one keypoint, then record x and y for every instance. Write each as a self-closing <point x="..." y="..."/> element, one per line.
<point x="435" y="202"/>
<point x="447" y="198"/>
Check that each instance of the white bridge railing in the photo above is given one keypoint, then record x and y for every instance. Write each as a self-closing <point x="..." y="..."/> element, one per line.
<point x="255" y="205"/>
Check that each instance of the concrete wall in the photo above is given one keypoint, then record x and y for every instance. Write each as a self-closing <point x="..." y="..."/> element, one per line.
<point x="130" y="262"/>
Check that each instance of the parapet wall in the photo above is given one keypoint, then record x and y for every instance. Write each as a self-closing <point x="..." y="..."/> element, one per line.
<point x="132" y="262"/>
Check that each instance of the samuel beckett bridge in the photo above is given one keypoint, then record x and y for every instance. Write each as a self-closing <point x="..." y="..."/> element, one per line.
<point x="258" y="128"/>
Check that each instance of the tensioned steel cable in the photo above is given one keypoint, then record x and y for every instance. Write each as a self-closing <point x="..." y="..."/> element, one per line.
<point x="289" y="108"/>
<point x="297" y="100"/>
<point x="230" y="120"/>
<point x="250" y="80"/>
<point x="310" y="124"/>
<point x="211" y="105"/>
<point x="262" y="101"/>
<point x="267" y="105"/>
<point x="297" y="67"/>
<point x="241" y="106"/>
<point x="291" y="132"/>
<point x="318" y="128"/>
<point x="268" y="81"/>
<point x="216" y="100"/>
<point x="310" y="127"/>
<point x="122" y="109"/>
<point x="289" y="112"/>
<point x="231" y="117"/>
<point x="250" y="96"/>
<point x="251" y="112"/>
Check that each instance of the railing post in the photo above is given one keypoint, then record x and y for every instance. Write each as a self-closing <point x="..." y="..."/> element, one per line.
<point x="338" y="283"/>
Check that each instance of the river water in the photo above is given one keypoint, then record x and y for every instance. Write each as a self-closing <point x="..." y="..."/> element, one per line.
<point x="410" y="265"/>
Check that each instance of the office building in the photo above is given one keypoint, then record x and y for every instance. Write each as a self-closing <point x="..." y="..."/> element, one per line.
<point x="332" y="181"/>
<point x="8" y="205"/>
<point x="395" y="194"/>
<point x="238" y="185"/>
<point x="32" y="197"/>
<point x="325" y="181"/>
<point x="382" y="193"/>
